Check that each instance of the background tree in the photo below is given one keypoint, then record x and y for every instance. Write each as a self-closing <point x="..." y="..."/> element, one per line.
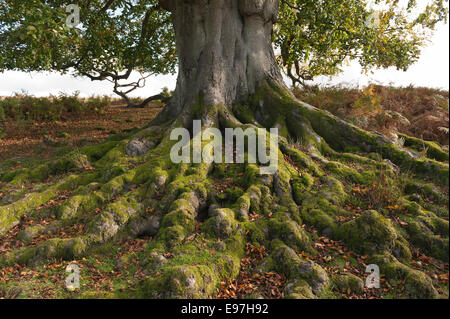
<point x="228" y="77"/>
<point x="317" y="37"/>
<point x="117" y="37"/>
<point x="114" y="39"/>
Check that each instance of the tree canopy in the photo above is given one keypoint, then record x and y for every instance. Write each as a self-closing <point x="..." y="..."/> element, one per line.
<point x="116" y="37"/>
<point x="317" y="37"/>
<point x="112" y="39"/>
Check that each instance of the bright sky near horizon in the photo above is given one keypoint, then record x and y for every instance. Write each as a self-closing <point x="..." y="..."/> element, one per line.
<point x="432" y="70"/>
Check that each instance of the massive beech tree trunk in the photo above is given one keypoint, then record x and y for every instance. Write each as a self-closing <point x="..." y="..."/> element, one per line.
<point x="225" y="50"/>
<point x="228" y="76"/>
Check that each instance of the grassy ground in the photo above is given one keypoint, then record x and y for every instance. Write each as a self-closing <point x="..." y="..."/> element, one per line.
<point x="91" y="121"/>
<point x="120" y="267"/>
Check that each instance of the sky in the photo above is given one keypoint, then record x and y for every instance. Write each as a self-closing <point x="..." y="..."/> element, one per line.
<point x="432" y="70"/>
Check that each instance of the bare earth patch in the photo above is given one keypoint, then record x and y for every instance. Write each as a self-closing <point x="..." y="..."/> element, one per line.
<point x="25" y="139"/>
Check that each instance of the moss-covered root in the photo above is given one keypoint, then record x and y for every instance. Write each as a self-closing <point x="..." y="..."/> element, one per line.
<point x="11" y="214"/>
<point x="108" y="175"/>
<point x="306" y="279"/>
<point x="416" y="283"/>
<point x="321" y="132"/>
<point x="101" y="228"/>
<point x="369" y="233"/>
<point x="200" y="277"/>
<point x="342" y="136"/>
<point x="110" y="209"/>
<point x="67" y="249"/>
<point x="73" y="161"/>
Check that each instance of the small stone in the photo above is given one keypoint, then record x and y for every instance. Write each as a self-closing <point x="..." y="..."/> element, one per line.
<point x="160" y="180"/>
<point x="191" y="283"/>
<point x="155" y="261"/>
<point x="306" y="267"/>
<point x="221" y="224"/>
<point x="146" y="227"/>
<point x="138" y="147"/>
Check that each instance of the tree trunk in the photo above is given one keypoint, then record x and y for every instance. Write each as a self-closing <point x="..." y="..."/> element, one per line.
<point x="225" y="51"/>
<point x="228" y="75"/>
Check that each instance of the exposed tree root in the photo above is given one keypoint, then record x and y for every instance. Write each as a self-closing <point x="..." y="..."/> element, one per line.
<point x="385" y="203"/>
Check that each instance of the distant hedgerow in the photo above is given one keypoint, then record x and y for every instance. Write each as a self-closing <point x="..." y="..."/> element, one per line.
<point x="27" y="107"/>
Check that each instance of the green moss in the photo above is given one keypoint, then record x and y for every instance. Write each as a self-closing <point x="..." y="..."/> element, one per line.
<point x="188" y="281"/>
<point x="11" y="214"/>
<point x="333" y="192"/>
<point x="234" y="245"/>
<point x="194" y="272"/>
<point x="433" y="150"/>
<point x="78" y="205"/>
<point x="243" y="205"/>
<point x="173" y="235"/>
<point x="251" y="200"/>
<point x="222" y="224"/>
<point x="116" y="155"/>
<point x="342" y="171"/>
<point x="179" y="217"/>
<point x="299" y="289"/>
<point x="179" y="223"/>
<point x="251" y="174"/>
<point x="425" y="189"/>
<point x="401" y="250"/>
<point x="369" y="233"/>
<point x="320" y="207"/>
<point x="96" y="152"/>
<point x="230" y="195"/>
<point x="437" y="225"/>
<point x="416" y="283"/>
<point x="421" y="236"/>
<point x="42" y="172"/>
<point x="286" y="261"/>
<point x="424" y="167"/>
<point x="284" y="228"/>
<point x="282" y="187"/>
<point x="257" y="232"/>
<point x="244" y="113"/>
<point x="53" y="248"/>
<point x="300" y="186"/>
<point x="319" y="219"/>
<point x="348" y="283"/>
<point x="303" y="161"/>
<point x="30" y="232"/>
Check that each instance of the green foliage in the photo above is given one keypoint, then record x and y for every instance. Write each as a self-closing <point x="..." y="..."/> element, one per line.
<point x="317" y="38"/>
<point x="113" y="39"/>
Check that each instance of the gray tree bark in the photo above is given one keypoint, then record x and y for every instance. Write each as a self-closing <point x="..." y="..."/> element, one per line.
<point x="225" y="50"/>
